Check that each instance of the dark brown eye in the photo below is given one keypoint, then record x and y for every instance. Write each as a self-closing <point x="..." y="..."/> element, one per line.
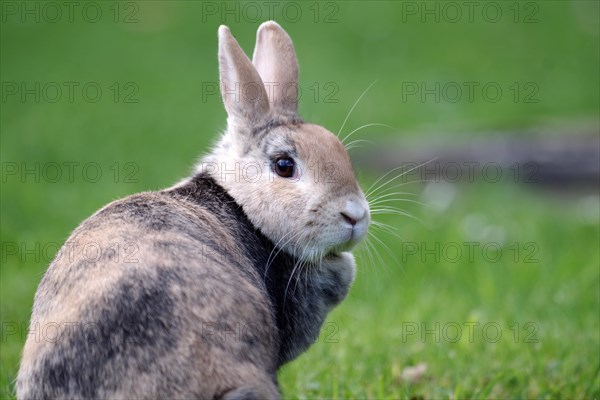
<point x="285" y="167"/>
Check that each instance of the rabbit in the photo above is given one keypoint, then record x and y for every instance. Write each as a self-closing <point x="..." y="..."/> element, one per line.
<point x="204" y="289"/>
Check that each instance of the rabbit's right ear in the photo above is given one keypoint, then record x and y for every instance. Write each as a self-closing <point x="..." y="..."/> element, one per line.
<point x="242" y="89"/>
<point x="275" y="59"/>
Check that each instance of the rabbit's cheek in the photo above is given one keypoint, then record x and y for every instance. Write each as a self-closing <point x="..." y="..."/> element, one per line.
<point x="360" y="231"/>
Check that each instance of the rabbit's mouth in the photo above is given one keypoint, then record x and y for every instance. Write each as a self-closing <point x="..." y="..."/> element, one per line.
<point x="331" y="249"/>
<point x="349" y="241"/>
<point x="335" y="251"/>
<point x="332" y="255"/>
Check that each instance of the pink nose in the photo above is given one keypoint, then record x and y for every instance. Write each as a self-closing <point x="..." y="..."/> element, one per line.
<point x="354" y="212"/>
<point x="349" y="219"/>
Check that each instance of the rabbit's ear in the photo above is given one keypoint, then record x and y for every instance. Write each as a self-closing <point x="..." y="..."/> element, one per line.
<point x="242" y="88"/>
<point x="275" y="59"/>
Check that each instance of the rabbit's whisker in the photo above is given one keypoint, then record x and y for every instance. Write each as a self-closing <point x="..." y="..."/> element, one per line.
<point x="376" y="252"/>
<point x="389" y="251"/>
<point x="369" y="254"/>
<point x="385" y="190"/>
<point x="302" y="270"/>
<point x="399" y="199"/>
<point x="354" y="106"/>
<point x="356" y="143"/>
<point x="298" y="264"/>
<point x="279" y="249"/>
<point x="386" y="228"/>
<point x="365" y="126"/>
<point x="371" y="190"/>
<point x="396" y="211"/>
<point x="384" y="195"/>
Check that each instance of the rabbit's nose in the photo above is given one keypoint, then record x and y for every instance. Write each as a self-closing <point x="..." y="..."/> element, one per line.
<point x="348" y="219"/>
<point x="354" y="212"/>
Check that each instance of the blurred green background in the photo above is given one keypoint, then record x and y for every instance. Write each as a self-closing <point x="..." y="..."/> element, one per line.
<point x="155" y="64"/>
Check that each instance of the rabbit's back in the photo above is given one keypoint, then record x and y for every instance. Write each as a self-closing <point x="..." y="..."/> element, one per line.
<point x="153" y="296"/>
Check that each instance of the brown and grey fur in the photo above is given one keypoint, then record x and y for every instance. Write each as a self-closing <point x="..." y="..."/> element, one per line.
<point x="226" y="278"/>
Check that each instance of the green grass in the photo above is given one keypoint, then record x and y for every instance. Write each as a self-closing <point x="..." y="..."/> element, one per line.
<point x="365" y="346"/>
<point x="389" y="320"/>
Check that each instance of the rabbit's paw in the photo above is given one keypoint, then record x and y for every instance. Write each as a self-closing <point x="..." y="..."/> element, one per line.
<point x="336" y="274"/>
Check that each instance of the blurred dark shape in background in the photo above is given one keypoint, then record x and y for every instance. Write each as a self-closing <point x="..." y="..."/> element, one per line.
<point x="561" y="158"/>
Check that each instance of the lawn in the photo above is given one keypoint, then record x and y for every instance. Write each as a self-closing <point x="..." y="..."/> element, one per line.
<point x="521" y="322"/>
<point x="496" y="290"/>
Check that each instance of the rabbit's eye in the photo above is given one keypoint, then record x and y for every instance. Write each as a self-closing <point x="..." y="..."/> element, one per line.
<point x="285" y="167"/>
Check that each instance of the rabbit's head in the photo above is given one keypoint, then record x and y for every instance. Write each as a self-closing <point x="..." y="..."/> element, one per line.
<point x="294" y="180"/>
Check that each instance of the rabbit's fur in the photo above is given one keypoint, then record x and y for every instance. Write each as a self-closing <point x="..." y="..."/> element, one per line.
<point x="229" y="274"/>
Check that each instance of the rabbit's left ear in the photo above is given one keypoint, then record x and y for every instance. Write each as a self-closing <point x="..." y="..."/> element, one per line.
<point x="275" y="59"/>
